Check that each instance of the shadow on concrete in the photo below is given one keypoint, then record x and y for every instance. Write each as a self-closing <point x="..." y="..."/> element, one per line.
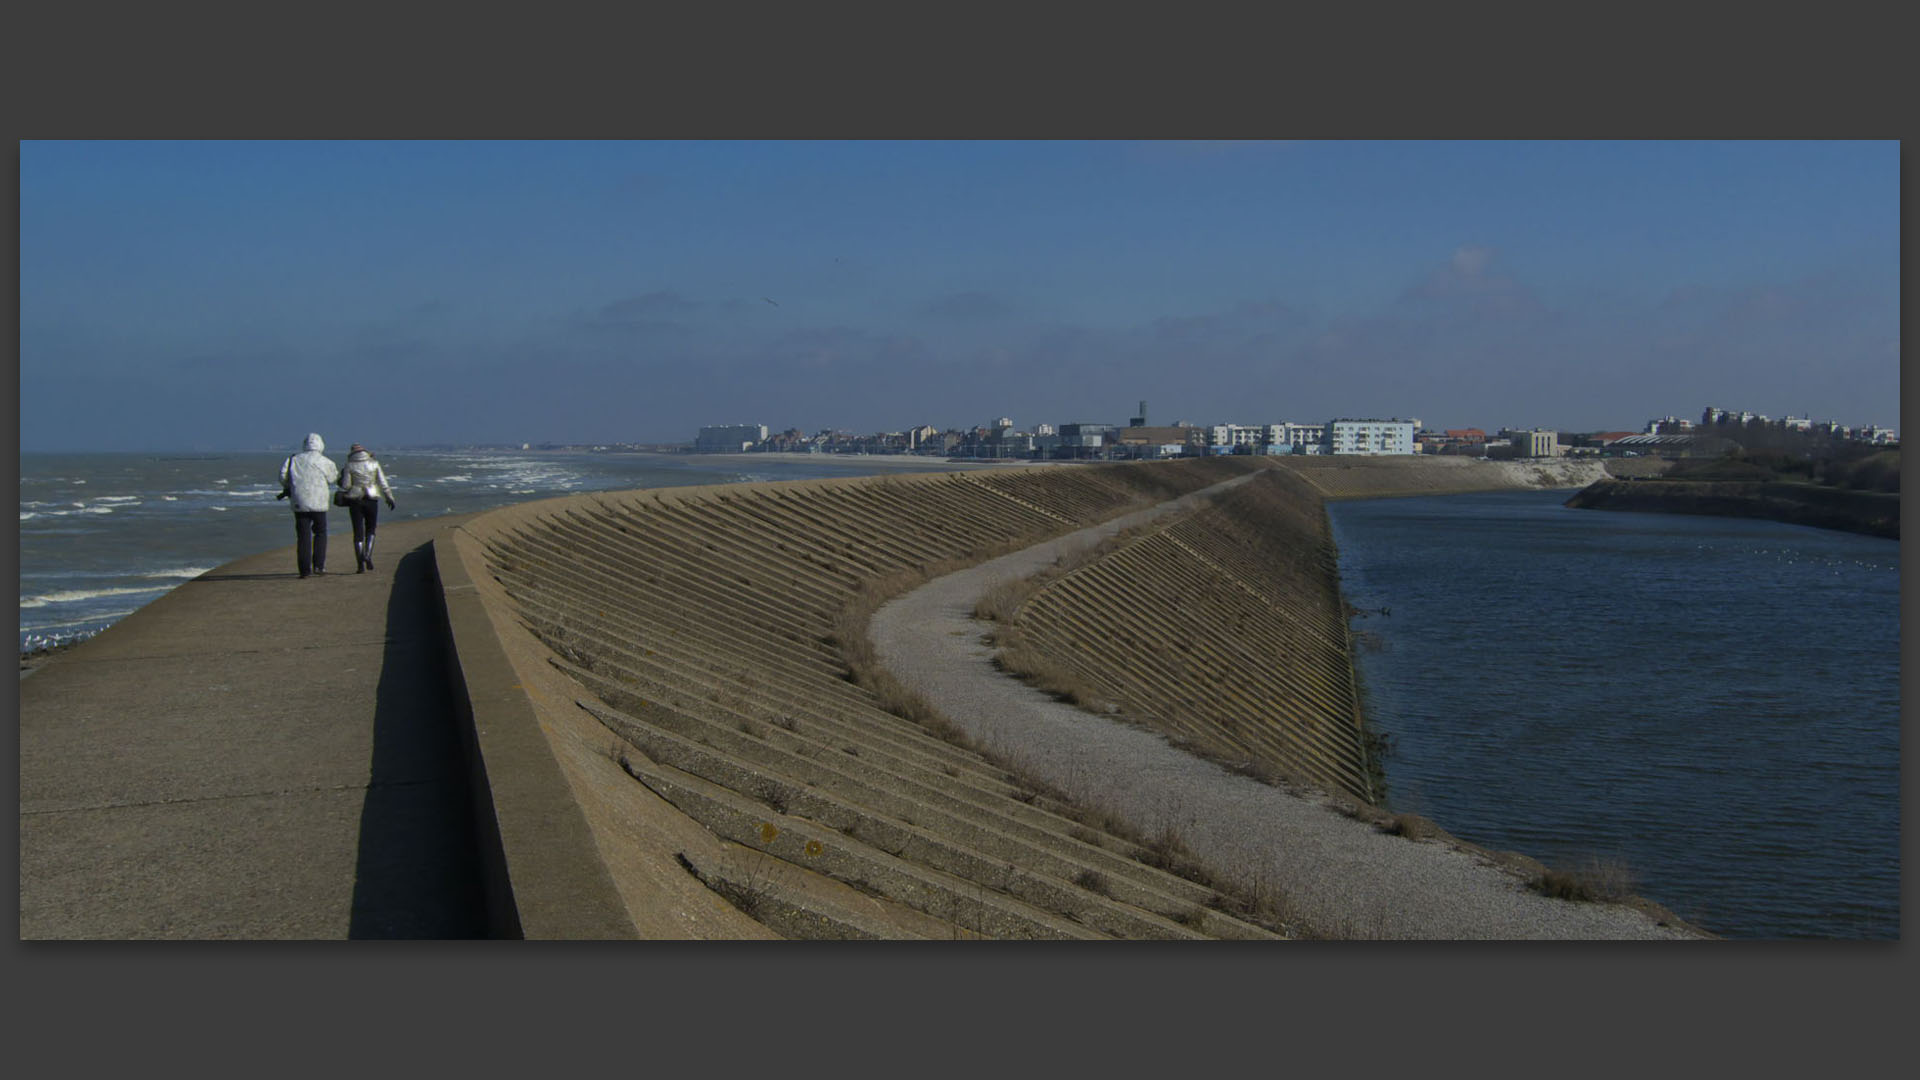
<point x="295" y="574"/>
<point x="418" y="871"/>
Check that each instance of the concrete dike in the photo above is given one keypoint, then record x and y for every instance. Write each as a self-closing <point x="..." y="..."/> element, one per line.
<point x="664" y="714"/>
<point x="678" y="728"/>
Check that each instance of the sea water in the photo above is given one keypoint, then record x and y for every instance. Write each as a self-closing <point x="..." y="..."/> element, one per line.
<point x="103" y="534"/>
<point x="1714" y="702"/>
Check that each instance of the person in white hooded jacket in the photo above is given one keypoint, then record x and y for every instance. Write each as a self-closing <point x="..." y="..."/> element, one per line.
<point x="365" y="484"/>
<point x="307" y="478"/>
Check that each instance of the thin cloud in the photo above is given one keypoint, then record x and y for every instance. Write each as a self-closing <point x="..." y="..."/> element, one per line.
<point x="651" y="315"/>
<point x="969" y="306"/>
<point x="650" y="305"/>
<point x="1467" y="282"/>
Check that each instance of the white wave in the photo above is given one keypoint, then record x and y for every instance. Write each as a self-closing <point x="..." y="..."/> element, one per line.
<point x="222" y="509"/>
<point x="28" y="515"/>
<point x="78" y="509"/>
<point x="457" y="478"/>
<point x="89" y="620"/>
<point x="71" y="596"/>
<point x="179" y="572"/>
<point x="169" y="498"/>
<point x="118" y="499"/>
<point x="223" y="481"/>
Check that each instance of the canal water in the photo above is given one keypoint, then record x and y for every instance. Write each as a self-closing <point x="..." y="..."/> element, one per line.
<point x="1713" y="701"/>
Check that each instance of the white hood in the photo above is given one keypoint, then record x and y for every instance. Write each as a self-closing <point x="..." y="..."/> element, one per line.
<point x="310" y="475"/>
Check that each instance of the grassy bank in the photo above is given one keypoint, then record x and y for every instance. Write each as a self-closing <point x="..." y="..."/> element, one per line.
<point x="1872" y="513"/>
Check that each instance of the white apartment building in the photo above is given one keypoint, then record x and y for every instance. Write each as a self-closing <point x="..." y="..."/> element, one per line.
<point x="1352" y="436"/>
<point x="1536" y="443"/>
<point x="1305" y="438"/>
<point x="1246" y="434"/>
<point x="729" y="438"/>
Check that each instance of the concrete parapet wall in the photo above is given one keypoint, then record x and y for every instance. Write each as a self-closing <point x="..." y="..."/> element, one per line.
<point x="543" y="877"/>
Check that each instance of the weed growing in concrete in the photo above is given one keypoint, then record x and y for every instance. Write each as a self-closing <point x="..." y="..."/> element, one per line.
<point x="749" y="880"/>
<point x="1094" y="882"/>
<point x="1167" y="850"/>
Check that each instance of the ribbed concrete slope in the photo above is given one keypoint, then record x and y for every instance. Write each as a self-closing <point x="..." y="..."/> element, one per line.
<point x="1222" y="627"/>
<point x="700" y="629"/>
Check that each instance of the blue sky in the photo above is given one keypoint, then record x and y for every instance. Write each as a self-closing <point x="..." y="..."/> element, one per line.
<point x="238" y="295"/>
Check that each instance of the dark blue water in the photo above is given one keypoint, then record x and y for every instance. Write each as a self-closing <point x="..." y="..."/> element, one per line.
<point x="1715" y="701"/>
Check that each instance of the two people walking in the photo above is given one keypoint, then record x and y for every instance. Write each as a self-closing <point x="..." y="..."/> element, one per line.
<point x="314" y="484"/>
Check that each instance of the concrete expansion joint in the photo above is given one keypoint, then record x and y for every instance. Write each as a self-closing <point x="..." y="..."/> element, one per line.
<point x="215" y="652"/>
<point x="284" y="792"/>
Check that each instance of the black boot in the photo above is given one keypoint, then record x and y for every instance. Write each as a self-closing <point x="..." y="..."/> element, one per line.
<point x="367" y="555"/>
<point x="359" y="558"/>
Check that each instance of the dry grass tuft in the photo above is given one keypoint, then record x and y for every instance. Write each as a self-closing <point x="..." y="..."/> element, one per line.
<point x="1602" y="880"/>
<point x="1094" y="882"/>
<point x="1411" y="826"/>
<point x="1167" y="850"/>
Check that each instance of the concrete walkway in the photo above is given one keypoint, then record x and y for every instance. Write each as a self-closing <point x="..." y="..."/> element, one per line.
<point x="254" y="756"/>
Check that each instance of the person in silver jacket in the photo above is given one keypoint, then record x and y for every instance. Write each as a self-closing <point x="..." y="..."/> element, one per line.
<point x="307" y="478"/>
<point x="365" y="483"/>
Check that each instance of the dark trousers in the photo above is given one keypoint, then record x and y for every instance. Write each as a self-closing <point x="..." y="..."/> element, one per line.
<point x="310" y="532"/>
<point x="365" y="513"/>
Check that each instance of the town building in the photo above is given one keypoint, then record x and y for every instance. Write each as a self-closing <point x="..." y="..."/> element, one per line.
<point x="729" y="438"/>
<point x="1225" y="438"/>
<point x="1369" y="436"/>
<point x="1304" y="438"/>
<point x="1535" y="443"/>
<point x="1184" y="439"/>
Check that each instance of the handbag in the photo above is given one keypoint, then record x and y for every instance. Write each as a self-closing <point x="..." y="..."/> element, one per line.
<point x="340" y="498"/>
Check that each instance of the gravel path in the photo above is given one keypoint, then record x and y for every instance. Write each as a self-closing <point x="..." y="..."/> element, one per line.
<point x="1339" y="876"/>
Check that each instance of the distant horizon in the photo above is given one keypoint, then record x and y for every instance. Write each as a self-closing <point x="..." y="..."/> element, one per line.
<point x="242" y="293"/>
<point x="554" y="445"/>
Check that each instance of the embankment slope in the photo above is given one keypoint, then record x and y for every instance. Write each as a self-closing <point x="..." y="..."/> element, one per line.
<point x="1870" y="512"/>
<point x="1355" y="477"/>
<point x="739" y="768"/>
<point x="682" y="654"/>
